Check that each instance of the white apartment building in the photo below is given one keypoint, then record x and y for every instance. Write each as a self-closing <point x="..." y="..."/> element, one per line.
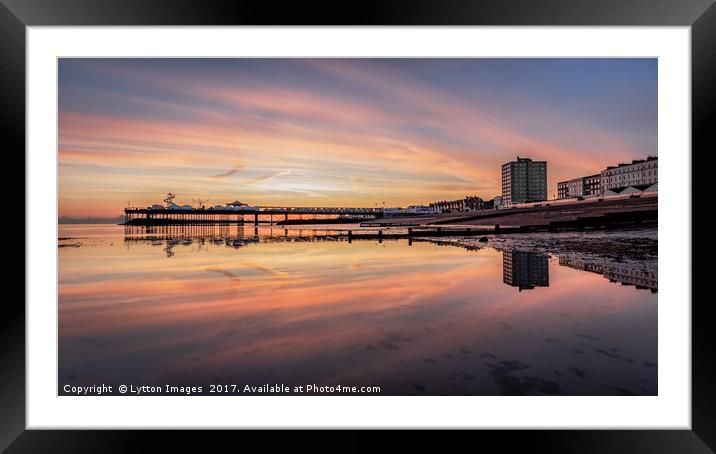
<point x="638" y="173"/>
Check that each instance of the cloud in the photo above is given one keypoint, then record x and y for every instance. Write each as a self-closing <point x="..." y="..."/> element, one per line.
<point x="264" y="178"/>
<point x="352" y="132"/>
<point x="228" y="173"/>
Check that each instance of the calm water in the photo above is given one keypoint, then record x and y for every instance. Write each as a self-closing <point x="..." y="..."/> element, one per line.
<point x="416" y="318"/>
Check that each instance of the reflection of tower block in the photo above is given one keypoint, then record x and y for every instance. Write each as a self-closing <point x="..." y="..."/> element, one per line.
<point x="170" y="199"/>
<point x="525" y="270"/>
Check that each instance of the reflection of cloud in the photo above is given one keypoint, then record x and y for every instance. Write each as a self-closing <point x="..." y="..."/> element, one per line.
<point x="226" y="273"/>
<point x="177" y="314"/>
<point x="264" y="268"/>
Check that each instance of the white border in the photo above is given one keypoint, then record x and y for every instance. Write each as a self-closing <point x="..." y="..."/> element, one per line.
<point x="669" y="410"/>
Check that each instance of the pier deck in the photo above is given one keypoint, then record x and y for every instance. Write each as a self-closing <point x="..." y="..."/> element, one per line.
<point x="166" y="216"/>
<point x="578" y="215"/>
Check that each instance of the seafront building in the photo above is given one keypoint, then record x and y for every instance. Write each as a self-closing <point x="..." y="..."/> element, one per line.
<point x="570" y="188"/>
<point x="497" y="202"/>
<point x="579" y="187"/>
<point x="592" y="184"/>
<point x="469" y="203"/>
<point x="641" y="172"/>
<point x="412" y="209"/>
<point x="641" y="175"/>
<point x="420" y="209"/>
<point x="523" y="181"/>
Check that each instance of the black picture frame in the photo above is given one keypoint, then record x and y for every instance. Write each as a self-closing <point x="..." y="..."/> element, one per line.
<point x="16" y="15"/>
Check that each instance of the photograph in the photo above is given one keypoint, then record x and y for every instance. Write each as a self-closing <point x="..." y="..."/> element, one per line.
<point x="357" y="226"/>
<point x="439" y="219"/>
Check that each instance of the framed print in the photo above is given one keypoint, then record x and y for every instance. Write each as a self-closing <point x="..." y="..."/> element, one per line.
<point x="424" y="216"/>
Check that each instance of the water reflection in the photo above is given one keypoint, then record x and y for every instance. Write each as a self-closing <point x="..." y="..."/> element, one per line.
<point x="637" y="274"/>
<point x="224" y="231"/>
<point x="520" y="268"/>
<point x="422" y="319"/>
<point x="525" y="270"/>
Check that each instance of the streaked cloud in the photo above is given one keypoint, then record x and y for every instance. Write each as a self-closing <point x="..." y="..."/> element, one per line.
<point x="229" y="172"/>
<point x="352" y="132"/>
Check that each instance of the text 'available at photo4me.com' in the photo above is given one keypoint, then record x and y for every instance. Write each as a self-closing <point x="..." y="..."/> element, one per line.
<point x="216" y="389"/>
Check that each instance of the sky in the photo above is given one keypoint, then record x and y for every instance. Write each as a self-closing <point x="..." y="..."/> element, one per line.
<point x="339" y="132"/>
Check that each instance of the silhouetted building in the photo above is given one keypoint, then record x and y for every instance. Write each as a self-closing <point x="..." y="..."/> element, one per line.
<point x="524" y="181"/>
<point x="525" y="270"/>
<point x="474" y="203"/>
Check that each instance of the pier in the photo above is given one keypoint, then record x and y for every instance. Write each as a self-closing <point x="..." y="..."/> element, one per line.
<point x="252" y="215"/>
<point x="593" y="214"/>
